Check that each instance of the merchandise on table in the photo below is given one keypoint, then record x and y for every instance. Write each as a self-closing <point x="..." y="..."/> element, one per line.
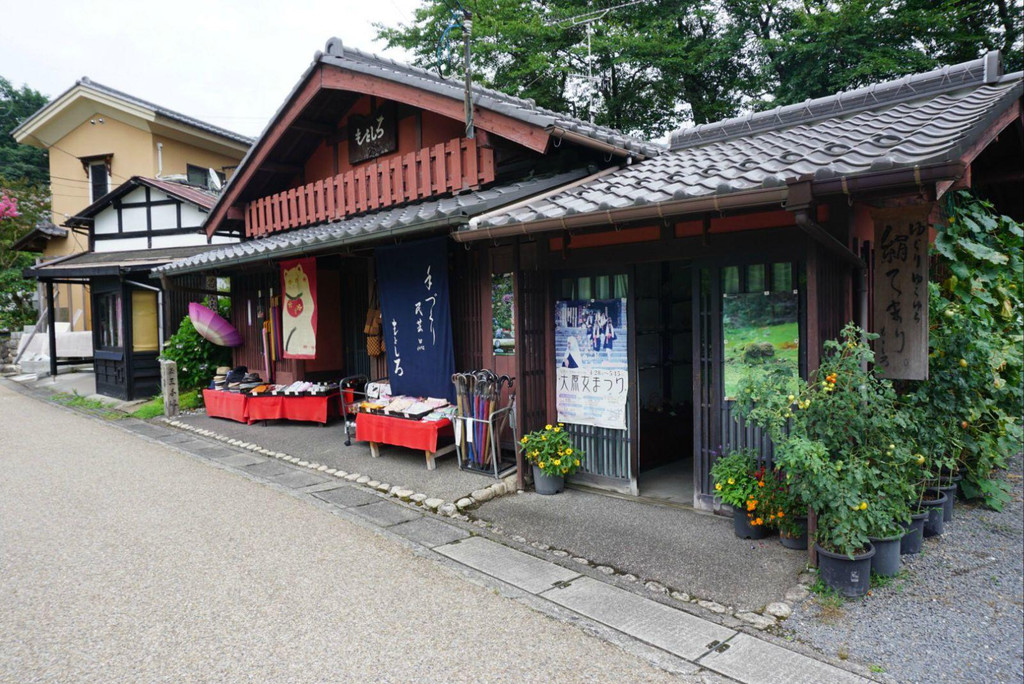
<point x="380" y="389"/>
<point x="412" y="408"/>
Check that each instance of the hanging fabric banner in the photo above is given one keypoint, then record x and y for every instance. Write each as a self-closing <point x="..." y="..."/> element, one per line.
<point x="298" y="315"/>
<point x="593" y="362"/>
<point x="412" y="280"/>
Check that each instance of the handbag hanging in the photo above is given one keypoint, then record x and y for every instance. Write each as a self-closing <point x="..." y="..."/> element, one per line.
<point x="374" y="326"/>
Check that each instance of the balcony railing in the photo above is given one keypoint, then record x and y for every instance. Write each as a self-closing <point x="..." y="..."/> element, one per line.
<point x="456" y="165"/>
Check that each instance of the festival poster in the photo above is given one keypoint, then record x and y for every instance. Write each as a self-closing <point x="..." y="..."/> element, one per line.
<point x="593" y="362"/>
<point x="412" y="280"/>
<point x="298" y="317"/>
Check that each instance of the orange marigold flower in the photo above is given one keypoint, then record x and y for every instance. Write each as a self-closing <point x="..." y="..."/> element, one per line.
<point x="761" y="483"/>
<point x="759" y="521"/>
<point x="751" y="505"/>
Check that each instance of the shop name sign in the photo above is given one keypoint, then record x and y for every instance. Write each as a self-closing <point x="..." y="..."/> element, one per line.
<point x="901" y="292"/>
<point x="372" y="136"/>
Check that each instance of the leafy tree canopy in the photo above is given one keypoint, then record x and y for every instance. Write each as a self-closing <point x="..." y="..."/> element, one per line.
<point x="661" y="63"/>
<point x="20" y="161"/>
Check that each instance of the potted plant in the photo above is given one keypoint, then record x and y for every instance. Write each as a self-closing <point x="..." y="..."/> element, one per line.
<point x="739" y="483"/>
<point x="552" y="456"/>
<point x="787" y="512"/>
<point x="834" y="438"/>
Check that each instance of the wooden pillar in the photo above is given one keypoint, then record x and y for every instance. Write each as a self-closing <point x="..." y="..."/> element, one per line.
<point x="51" y="322"/>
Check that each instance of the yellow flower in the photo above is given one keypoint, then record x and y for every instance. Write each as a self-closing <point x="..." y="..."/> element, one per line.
<point x="540" y="465"/>
<point x="544" y="438"/>
<point x="557" y="461"/>
<point x="732" y="481"/>
<point x="557" y="429"/>
<point x="718" y="487"/>
<point x="524" y="440"/>
<point x="863" y="505"/>
<point x="568" y="451"/>
<point x="576" y="462"/>
<point x="535" y="452"/>
<point x="547" y="427"/>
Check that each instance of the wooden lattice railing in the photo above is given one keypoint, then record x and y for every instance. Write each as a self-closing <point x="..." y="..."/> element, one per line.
<point x="446" y="167"/>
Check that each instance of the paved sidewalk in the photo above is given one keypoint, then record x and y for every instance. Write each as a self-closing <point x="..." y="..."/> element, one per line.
<point x="673" y="639"/>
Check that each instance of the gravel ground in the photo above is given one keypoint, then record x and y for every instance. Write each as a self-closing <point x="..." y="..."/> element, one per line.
<point x="956" y="616"/>
<point x="121" y="560"/>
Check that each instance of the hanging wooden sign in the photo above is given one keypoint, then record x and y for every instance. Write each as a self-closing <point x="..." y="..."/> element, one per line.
<point x="901" y="292"/>
<point x="374" y="135"/>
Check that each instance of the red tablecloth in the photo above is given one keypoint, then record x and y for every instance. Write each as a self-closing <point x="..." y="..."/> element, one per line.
<point x="312" y="409"/>
<point x="412" y="434"/>
<point x="229" y="405"/>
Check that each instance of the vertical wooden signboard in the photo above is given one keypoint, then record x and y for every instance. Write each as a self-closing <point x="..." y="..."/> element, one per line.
<point x="901" y="292"/>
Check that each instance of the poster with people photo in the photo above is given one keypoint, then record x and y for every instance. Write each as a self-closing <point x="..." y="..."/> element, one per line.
<point x="593" y="362"/>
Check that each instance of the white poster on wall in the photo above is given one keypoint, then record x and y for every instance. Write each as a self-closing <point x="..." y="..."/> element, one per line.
<point x="593" y="362"/>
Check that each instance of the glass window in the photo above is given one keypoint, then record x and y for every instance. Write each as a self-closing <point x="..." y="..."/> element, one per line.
<point x="145" y="326"/>
<point x="760" y="332"/>
<point x="731" y="280"/>
<point x="200" y="175"/>
<point x="503" y="315"/>
<point x="782" y="277"/>
<point x="108" y="310"/>
<point x="99" y="183"/>
<point x="755" y="278"/>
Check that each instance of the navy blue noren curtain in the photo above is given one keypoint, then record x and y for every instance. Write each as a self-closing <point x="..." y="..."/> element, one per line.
<point x="412" y="279"/>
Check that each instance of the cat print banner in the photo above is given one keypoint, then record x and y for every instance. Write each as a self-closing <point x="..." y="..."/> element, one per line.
<point x="592" y="379"/>
<point x="412" y="279"/>
<point x="298" y="317"/>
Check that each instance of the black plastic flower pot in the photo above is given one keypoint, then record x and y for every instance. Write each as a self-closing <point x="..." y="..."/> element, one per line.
<point x="798" y="541"/>
<point x="847" y="577"/>
<point x="886" y="561"/>
<point x="743" y="527"/>
<point x="947" y="508"/>
<point x="547" y="484"/>
<point x="911" y="541"/>
<point x="934" y="525"/>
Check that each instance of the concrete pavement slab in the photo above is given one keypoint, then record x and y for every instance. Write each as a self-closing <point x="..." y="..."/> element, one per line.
<point x="152" y="430"/>
<point x="518" y="569"/>
<point x="348" y="497"/>
<point x="386" y="513"/>
<point x="679" y="633"/>
<point x="430" y="532"/>
<point x="242" y="460"/>
<point x="322" y="487"/>
<point x="753" y="661"/>
<point x="266" y="470"/>
<point x="296" y="479"/>
<point x="679" y="548"/>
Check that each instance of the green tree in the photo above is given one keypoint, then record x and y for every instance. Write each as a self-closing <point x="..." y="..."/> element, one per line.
<point x="660" y="63"/>
<point x="16" y="292"/>
<point x="20" y="161"/>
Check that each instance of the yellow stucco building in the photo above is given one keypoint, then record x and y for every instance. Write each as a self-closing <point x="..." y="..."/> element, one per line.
<point x="97" y="138"/>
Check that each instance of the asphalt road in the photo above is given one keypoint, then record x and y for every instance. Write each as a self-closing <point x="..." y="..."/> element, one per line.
<point x="123" y="560"/>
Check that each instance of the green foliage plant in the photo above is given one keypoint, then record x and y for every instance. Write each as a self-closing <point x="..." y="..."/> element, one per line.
<point x="733" y="474"/>
<point x="552" y="451"/>
<point x="836" y="444"/>
<point x="967" y="414"/>
<point x="197" y="357"/>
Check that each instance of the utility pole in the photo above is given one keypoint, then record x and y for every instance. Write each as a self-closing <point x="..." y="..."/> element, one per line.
<point x="467" y="30"/>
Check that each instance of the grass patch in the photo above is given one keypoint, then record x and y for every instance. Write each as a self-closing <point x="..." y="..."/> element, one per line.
<point x="884" y="582"/>
<point x="187" y="401"/>
<point x="877" y="669"/>
<point x="782" y="336"/>
<point x="94" y="406"/>
<point x="828" y="600"/>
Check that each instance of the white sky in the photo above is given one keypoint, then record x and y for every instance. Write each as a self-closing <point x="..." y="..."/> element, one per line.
<point x="227" y="62"/>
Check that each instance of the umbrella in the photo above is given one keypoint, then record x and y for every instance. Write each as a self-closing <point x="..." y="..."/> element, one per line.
<point x="213" y="327"/>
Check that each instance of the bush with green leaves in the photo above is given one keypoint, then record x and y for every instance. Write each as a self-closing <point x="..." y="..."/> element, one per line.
<point x="197" y="357"/>
<point x="967" y="415"/>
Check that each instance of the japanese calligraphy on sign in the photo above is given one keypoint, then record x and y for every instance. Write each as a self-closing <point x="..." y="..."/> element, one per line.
<point x="413" y="282"/>
<point x="372" y="136"/>
<point x="592" y="381"/>
<point x="901" y="292"/>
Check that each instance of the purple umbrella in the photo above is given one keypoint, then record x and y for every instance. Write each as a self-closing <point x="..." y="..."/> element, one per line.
<point x="213" y="327"/>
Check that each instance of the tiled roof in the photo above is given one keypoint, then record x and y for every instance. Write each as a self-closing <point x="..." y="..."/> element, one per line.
<point x="35" y="240"/>
<point x="201" y="197"/>
<point x="891" y="126"/>
<point x="419" y="216"/>
<point x="86" y="82"/>
<point x="517" y="108"/>
<point x="110" y="262"/>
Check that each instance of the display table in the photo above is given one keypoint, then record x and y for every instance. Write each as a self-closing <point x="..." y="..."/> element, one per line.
<point x="412" y="434"/>
<point x="283" y="407"/>
<point x="230" y="405"/>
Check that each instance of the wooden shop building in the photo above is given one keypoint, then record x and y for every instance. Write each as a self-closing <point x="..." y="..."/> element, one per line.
<point x="637" y="275"/>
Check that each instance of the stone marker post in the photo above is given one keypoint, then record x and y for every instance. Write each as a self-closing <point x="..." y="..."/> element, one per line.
<point x="169" y="381"/>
